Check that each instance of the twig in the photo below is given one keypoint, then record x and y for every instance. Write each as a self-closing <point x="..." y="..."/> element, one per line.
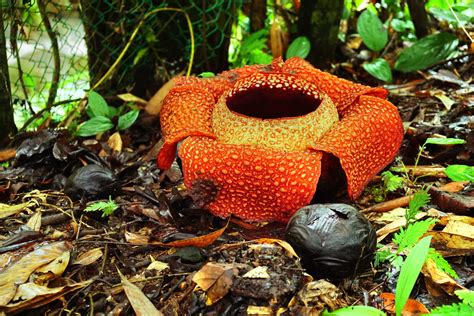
<point x="54" y="44"/>
<point x="389" y="205"/>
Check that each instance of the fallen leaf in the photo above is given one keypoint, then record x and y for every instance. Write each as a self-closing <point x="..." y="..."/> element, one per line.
<point x="34" y="223"/>
<point x="128" y="97"/>
<point x="259" y="272"/>
<point x="458" y="218"/>
<point x="88" y="257"/>
<point x="39" y="296"/>
<point x="20" y="271"/>
<point x="216" y="280"/>
<point x="437" y="281"/>
<point x="259" y="311"/>
<point x="158" y="266"/>
<point x="451" y="202"/>
<point x="115" y="142"/>
<point x="411" y="308"/>
<point x="139" y="301"/>
<point x="441" y="95"/>
<point x="53" y="269"/>
<point x="395" y="226"/>
<point x="8" y="210"/>
<point x="136" y="239"/>
<point x="285" y="245"/>
<point x="459" y="228"/>
<point x="449" y="244"/>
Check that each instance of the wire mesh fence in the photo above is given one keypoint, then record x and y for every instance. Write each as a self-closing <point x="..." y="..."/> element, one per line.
<point x="66" y="46"/>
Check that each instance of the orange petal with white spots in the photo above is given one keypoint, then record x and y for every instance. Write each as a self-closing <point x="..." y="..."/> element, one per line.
<point x="343" y="92"/>
<point x="365" y="140"/>
<point x="186" y="111"/>
<point x="257" y="184"/>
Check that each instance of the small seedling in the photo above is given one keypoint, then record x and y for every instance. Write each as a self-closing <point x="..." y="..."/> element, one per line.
<point x="101" y="115"/>
<point x="106" y="207"/>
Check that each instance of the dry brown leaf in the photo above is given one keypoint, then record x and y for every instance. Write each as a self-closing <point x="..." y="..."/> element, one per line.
<point x="158" y="265"/>
<point x="34" y="223"/>
<point x="411" y="308"/>
<point x="216" y="280"/>
<point x="9" y="210"/>
<point x="139" y="301"/>
<point x="276" y="40"/>
<point x="115" y="142"/>
<point x="459" y="228"/>
<point x="449" y="245"/>
<point x="53" y="269"/>
<point x="289" y="249"/>
<point x="395" y="226"/>
<point x="437" y="280"/>
<point x="136" y="239"/>
<point x="458" y="218"/>
<point x="20" y="271"/>
<point x="128" y="97"/>
<point x="89" y="257"/>
<point x="39" y="295"/>
<point x="153" y="106"/>
<point x="259" y="311"/>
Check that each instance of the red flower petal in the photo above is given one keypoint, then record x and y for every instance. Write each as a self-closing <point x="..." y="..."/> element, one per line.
<point x="365" y="140"/>
<point x="343" y="92"/>
<point x="257" y="184"/>
<point x="186" y="111"/>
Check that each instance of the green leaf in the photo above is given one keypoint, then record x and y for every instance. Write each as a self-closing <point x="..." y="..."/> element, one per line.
<point x="444" y="141"/>
<point x="441" y="263"/>
<point x="300" y="47"/>
<point x="452" y="310"/>
<point x="391" y="181"/>
<point x="427" y="52"/>
<point x="380" y="69"/>
<point x="402" y="25"/>
<point x="112" y="112"/>
<point x="460" y="172"/>
<point x="406" y="239"/>
<point x="126" y="120"/>
<point x="420" y="199"/>
<point x="106" y="207"/>
<point x="371" y="30"/>
<point x="355" y="311"/>
<point x="140" y="54"/>
<point x="466" y="296"/>
<point x="409" y="273"/>
<point x="206" y="74"/>
<point x="94" y="126"/>
<point x="97" y="104"/>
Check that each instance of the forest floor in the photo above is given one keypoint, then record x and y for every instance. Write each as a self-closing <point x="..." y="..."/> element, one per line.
<point x="55" y="258"/>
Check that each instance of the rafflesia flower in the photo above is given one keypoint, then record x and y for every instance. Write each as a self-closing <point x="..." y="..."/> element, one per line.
<point x="255" y="139"/>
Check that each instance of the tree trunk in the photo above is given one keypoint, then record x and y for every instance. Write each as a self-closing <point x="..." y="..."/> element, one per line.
<point x="419" y="17"/>
<point x="7" y="124"/>
<point x="319" y="20"/>
<point x="258" y="15"/>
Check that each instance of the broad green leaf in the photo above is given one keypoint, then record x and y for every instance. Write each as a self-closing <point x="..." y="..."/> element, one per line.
<point x="300" y="47"/>
<point x="409" y="273"/>
<point x="355" y="311"/>
<point x="112" y="111"/>
<point x="427" y="52"/>
<point x="126" y="120"/>
<point x="94" y="126"/>
<point x="372" y="31"/>
<point x="402" y="25"/>
<point x="444" y="141"/>
<point x="97" y="104"/>
<point x="460" y="172"/>
<point x="380" y="69"/>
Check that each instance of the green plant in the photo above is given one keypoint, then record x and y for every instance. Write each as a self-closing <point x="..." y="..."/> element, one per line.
<point x="460" y="172"/>
<point x="409" y="273"/>
<point x="390" y="183"/>
<point x="407" y="237"/>
<point x="252" y="50"/>
<point x="106" y="207"/>
<point x="466" y="306"/>
<point x="101" y="115"/>
<point x="355" y="311"/>
<point x="300" y="47"/>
